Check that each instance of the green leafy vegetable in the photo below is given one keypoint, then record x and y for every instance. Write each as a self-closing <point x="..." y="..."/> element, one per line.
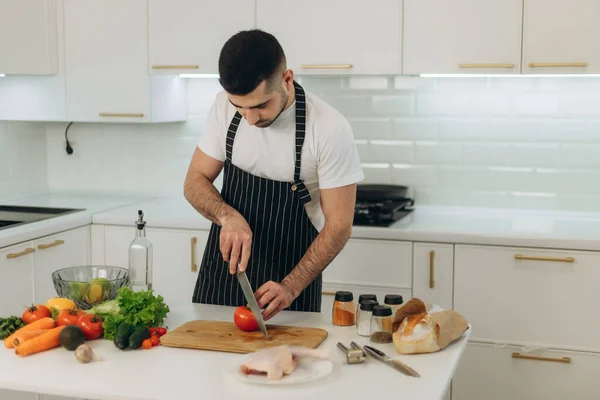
<point x="54" y="311"/>
<point x="9" y="325"/>
<point x="143" y="308"/>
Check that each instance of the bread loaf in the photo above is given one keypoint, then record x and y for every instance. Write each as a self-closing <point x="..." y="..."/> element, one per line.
<point x="428" y="333"/>
<point x="411" y="307"/>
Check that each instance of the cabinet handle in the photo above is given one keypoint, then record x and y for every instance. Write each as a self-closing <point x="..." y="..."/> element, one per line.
<point x="540" y="258"/>
<point x="175" y="67"/>
<point x="325" y="293"/>
<point x="431" y="268"/>
<point x="486" y="65"/>
<point x="53" y="244"/>
<point x="557" y="65"/>
<point x="566" y="360"/>
<point x="194" y="266"/>
<point x="28" y="250"/>
<point x="326" y="66"/>
<point x="135" y="115"/>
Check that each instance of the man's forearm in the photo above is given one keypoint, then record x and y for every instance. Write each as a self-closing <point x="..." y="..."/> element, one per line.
<point x="204" y="197"/>
<point x="326" y="246"/>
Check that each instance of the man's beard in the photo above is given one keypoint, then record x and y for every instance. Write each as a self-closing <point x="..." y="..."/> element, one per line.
<point x="284" y="100"/>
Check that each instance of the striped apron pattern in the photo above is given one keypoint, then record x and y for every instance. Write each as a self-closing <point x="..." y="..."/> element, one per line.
<point x="281" y="229"/>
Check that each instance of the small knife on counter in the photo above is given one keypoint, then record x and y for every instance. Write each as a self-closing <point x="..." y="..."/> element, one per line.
<point x="399" y="365"/>
<point x="252" y="303"/>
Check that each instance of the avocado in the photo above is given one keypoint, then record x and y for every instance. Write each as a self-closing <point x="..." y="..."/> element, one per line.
<point x="71" y="337"/>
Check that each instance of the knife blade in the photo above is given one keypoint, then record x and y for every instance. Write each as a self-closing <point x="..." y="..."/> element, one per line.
<point x="397" y="364"/>
<point x="252" y="303"/>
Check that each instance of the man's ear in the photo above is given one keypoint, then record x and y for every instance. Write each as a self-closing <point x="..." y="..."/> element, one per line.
<point x="288" y="80"/>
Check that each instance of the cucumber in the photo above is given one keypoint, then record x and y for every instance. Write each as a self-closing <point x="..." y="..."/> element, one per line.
<point x="122" y="335"/>
<point x="138" y="336"/>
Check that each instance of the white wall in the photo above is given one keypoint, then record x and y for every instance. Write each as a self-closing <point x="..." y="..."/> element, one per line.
<point x="22" y="159"/>
<point x="497" y="142"/>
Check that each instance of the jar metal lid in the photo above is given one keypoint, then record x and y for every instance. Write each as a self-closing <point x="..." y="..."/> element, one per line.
<point x="367" y="297"/>
<point x="368" y="305"/>
<point x="393" y="299"/>
<point x="382" y="311"/>
<point x="344" y="296"/>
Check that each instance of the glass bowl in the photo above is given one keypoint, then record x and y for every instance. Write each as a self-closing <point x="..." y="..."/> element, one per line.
<point x="90" y="285"/>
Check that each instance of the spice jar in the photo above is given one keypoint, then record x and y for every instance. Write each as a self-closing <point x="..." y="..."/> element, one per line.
<point x="394" y="301"/>
<point x="363" y="319"/>
<point x="381" y="324"/>
<point x="343" y="309"/>
<point x="361" y="298"/>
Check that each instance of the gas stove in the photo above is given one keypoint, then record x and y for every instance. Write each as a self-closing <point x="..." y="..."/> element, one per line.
<point x="381" y="205"/>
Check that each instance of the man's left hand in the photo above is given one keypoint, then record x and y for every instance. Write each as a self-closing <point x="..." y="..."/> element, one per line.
<point x="277" y="295"/>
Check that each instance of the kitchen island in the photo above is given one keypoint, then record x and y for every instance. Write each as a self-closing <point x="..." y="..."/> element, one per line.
<point x="172" y="373"/>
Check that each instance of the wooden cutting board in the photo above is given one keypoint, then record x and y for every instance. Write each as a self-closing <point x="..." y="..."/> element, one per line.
<point x="225" y="336"/>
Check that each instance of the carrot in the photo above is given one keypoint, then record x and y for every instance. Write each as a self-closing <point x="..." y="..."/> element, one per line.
<point x="42" y="323"/>
<point x="45" y="341"/>
<point x="21" y="337"/>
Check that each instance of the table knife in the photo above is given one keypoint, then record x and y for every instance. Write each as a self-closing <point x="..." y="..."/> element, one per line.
<point x="249" y="294"/>
<point x="399" y="365"/>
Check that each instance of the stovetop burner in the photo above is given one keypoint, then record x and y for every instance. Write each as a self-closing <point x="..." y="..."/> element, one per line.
<point x="382" y="213"/>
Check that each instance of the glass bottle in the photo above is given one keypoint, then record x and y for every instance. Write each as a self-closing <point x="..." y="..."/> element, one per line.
<point x="363" y="320"/>
<point x="140" y="257"/>
<point x="343" y="309"/>
<point x="361" y="298"/>
<point x="381" y="325"/>
<point x="394" y="301"/>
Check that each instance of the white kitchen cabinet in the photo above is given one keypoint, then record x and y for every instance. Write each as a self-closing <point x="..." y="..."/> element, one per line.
<point x="107" y="79"/>
<point x="524" y="295"/>
<point x="116" y="245"/>
<point x="65" y="249"/>
<point x="462" y="36"/>
<point x="559" y="39"/>
<point x="28" y="43"/>
<point x="16" y="285"/>
<point x="34" y="97"/>
<point x="433" y="268"/>
<point x="186" y="36"/>
<point x="336" y="36"/>
<point x="374" y="263"/>
<point x="493" y="373"/>
<point x="177" y="259"/>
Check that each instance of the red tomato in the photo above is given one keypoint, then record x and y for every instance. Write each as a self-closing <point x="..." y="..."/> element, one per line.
<point x="91" y="325"/>
<point x="34" y="313"/>
<point x="161" y="331"/>
<point x="152" y="330"/>
<point x="244" y="319"/>
<point x="68" y="317"/>
<point x="155" y="340"/>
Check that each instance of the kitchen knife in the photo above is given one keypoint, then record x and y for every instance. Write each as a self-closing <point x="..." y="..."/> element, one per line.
<point x="249" y="294"/>
<point x="399" y="365"/>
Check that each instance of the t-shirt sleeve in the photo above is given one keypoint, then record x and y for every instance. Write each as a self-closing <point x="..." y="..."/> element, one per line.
<point x="339" y="164"/>
<point x="212" y="140"/>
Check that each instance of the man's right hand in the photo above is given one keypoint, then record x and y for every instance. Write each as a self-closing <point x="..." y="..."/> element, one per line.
<point x="235" y="242"/>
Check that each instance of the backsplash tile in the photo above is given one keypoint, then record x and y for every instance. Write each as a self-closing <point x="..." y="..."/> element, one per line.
<point x="483" y="142"/>
<point x="22" y="159"/>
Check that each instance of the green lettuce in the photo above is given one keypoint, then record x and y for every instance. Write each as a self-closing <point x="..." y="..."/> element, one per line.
<point x="143" y="308"/>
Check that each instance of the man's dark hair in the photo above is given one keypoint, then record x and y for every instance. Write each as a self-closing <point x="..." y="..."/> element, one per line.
<point x="247" y="59"/>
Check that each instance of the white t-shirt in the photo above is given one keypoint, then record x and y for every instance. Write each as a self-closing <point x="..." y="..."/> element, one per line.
<point x="329" y="154"/>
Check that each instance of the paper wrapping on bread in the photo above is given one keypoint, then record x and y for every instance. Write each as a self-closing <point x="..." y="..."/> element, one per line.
<point x="425" y="332"/>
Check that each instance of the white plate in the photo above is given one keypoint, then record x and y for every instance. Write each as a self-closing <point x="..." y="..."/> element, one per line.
<point x="307" y="370"/>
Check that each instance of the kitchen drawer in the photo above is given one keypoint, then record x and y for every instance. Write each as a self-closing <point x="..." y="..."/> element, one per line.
<point x="529" y="295"/>
<point x="372" y="263"/>
<point x="433" y="266"/>
<point x="491" y="373"/>
<point x="380" y="291"/>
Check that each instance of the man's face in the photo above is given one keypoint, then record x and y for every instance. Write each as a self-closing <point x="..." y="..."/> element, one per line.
<point x="262" y="106"/>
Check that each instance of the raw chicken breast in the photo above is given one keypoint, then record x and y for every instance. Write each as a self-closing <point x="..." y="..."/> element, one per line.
<point x="279" y="361"/>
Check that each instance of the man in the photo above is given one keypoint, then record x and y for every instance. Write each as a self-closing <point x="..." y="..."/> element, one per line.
<point x="289" y="186"/>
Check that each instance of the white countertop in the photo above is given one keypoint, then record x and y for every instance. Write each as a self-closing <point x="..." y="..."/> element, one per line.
<point x="504" y="227"/>
<point x="91" y="203"/>
<point x="169" y="373"/>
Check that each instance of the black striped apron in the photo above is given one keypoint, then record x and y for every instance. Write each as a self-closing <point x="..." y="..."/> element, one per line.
<point x="281" y="229"/>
